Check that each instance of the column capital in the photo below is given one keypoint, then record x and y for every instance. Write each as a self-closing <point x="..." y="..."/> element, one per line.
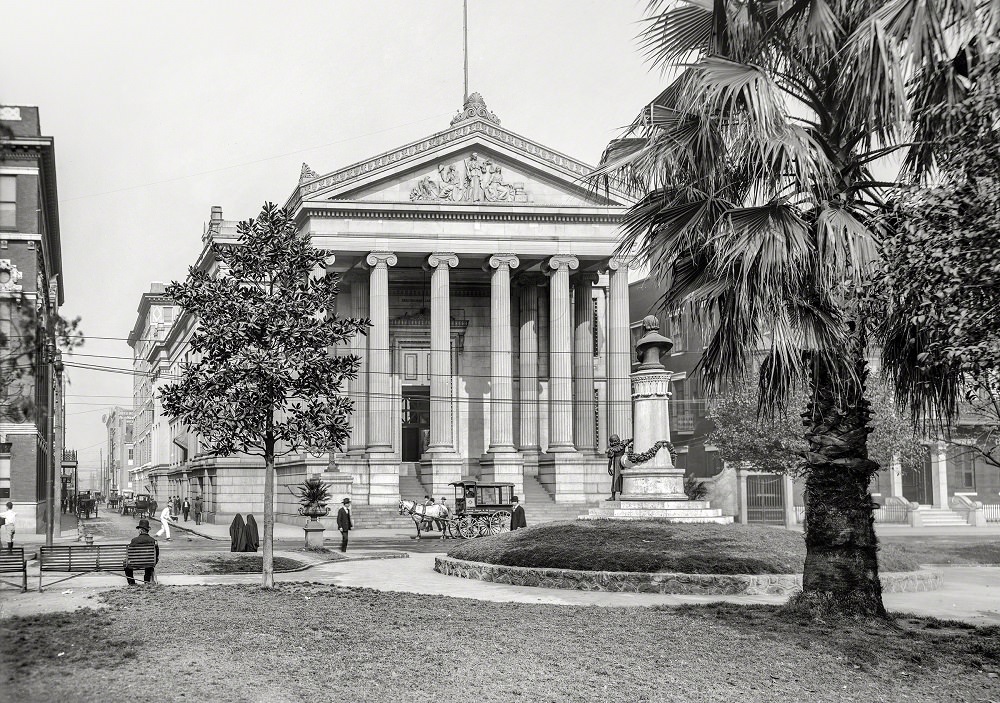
<point x="439" y="258"/>
<point x="497" y="260"/>
<point x="381" y="257"/>
<point x="562" y="261"/>
<point x="584" y="278"/>
<point x="530" y="278"/>
<point x="621" y="262"/>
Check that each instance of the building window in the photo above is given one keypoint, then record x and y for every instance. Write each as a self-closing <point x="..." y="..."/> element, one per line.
<point x="964" y="461"/>
<point x="8" y="202"/>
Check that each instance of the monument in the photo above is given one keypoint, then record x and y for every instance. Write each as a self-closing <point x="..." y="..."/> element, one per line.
<point x="651" y="486"/>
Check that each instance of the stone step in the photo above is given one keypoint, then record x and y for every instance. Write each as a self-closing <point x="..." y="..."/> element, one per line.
<point x="655" y="513"/>
<point x="658" y="504"/>
<point x="718" y="520"/>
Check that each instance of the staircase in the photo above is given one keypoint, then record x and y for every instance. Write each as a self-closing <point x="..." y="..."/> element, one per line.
<point x="410" y="488"/>
<point x="940" y="517"/>
<point x="539" y="506"/>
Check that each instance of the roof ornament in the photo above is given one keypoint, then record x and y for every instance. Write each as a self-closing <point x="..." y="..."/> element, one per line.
<point x="307" y="174"/>
<point x="475" y="109"/>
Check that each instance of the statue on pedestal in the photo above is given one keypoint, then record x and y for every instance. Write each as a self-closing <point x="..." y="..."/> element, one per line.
<point x="616" y="450"/>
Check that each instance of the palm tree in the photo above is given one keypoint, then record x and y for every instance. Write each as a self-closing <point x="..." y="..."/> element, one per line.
<point x="760" y="213"/>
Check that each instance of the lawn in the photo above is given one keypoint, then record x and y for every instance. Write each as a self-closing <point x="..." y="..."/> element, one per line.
<point x="968" y="550"/>
<point x="606" y="545"/>
<point x="219" y="563"/>
<point x="304" y="642"/>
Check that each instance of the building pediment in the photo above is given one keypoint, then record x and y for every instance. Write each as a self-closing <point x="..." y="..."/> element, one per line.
<point x="474" y="162"/>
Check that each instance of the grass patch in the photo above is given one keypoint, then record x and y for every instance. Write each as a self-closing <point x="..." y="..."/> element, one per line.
<point x="609" y="545"/>
<point x="198" y="563"/>
<point x="245" y="643"/>
<point x="968" y="551"/>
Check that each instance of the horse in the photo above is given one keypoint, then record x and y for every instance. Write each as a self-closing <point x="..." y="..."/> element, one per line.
<point x="426" y="516"/>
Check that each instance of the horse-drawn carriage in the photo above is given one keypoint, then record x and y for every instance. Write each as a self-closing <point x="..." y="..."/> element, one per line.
<point x="481" y="509"/>
<point x="138" y="506"/>
<point x="86" y="506"/>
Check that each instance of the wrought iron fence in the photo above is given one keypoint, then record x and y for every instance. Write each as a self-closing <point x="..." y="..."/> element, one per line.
<point x="891" y="513"/>
<point x="992" y="511"/>
<point x="765" y="499"/>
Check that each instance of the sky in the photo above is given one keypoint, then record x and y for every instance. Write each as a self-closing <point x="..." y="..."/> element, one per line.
<point x="160" y="110"/>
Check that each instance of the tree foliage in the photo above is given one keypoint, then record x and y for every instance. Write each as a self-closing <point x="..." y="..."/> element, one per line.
<point x="776" y="441"/>
<point x="940" y="283"/>
<point x="261" y="376"/>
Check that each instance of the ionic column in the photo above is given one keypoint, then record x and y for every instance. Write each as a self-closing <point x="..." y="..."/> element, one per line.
<point x="583" y="363"/>
<point x="379" y="359"/>
<point x="501" y="386"/>
<point x="560" y="354"/>
<point x="358" y="387"/>
<point x="619" y="351"/>
<point x="442" y="439"/>
<point x="528" y="364"/>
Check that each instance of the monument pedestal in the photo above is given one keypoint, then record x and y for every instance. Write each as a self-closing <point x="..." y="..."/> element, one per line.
<point x="652" y="487"/>
<point x="314" y="533"/>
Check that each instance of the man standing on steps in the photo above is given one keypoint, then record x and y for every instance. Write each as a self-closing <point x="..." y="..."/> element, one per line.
<point x="344" y="522"/>
<point x="517" y="520"/>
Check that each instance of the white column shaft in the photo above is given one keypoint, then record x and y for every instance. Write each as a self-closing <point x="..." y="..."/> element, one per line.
<point x="379" y="360"/>
<point x="442" y="437"/>
<point x="501" y="386"/>
<point x="528" y="367"/>
<point x="584" y="427"/>
<point x="358" y="387"/>
<point x="560" y="356"/>
<point x="619" y="352"/>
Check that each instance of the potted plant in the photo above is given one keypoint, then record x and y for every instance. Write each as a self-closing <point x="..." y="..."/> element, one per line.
<point x="313" y="496"/>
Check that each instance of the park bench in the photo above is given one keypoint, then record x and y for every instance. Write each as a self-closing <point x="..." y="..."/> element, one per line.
<point x="139" y="557"/>
<point x="80" y="559"/>
<point x="12" y="562"/>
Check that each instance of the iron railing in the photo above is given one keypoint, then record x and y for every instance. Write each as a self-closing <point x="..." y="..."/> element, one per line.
<point x="992" y="511"/>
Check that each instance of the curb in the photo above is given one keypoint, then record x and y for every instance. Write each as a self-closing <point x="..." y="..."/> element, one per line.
<point x="665" y="582"/>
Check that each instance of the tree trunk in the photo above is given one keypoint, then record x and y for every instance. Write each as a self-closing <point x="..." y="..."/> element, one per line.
<point x="841" y="568"/>
<point x="268" y="541"/>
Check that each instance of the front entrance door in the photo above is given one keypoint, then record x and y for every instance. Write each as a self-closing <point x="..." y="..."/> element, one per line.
<point x="917" y="483"/>
<point x="416" y="421"/>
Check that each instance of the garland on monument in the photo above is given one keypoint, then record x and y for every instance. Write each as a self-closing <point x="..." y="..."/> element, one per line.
<point x="645" y="456"/>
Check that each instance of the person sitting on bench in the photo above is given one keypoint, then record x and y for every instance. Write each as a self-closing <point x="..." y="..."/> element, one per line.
<point x="141" y="539"/>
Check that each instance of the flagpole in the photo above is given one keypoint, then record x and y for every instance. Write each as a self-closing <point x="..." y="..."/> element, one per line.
<point x="465" y="48"/>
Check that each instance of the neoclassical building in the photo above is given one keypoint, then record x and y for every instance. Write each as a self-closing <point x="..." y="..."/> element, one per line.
<point x="499" y="344"/>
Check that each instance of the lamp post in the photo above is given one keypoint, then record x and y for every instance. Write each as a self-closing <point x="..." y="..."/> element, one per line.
<point x="54" y="361"/>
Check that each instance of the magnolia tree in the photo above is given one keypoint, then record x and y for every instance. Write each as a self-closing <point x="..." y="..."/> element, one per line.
<point x="261" y="377"/>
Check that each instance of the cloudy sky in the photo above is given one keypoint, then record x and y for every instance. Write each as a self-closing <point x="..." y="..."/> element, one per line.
<point x="160" y="110"/>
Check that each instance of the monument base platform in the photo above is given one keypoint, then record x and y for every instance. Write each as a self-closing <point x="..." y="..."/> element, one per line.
<point x="661" y="510"/>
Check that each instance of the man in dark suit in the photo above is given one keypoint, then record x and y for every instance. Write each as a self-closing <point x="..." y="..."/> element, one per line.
<point x="517" y="516"/>
<point x="142" y="538"/>
<point x="344" y="522"/>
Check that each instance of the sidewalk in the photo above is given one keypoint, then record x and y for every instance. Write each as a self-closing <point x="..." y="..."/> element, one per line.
<point x="282" y="532"/>
<point x="968" y="593"/>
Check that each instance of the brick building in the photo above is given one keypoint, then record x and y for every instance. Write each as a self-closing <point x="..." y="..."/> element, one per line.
<point x="31" y="292"/>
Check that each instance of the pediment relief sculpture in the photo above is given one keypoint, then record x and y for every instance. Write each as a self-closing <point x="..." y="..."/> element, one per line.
<point x="481" y="180"/>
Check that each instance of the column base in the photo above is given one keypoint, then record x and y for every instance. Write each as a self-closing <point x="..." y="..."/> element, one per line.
<point x="564" y="476"/>
<point x="441" y="470"/>
<point x="356" y="466"/>
<point x="383" y="479"/>
<point x="506" y="467"/>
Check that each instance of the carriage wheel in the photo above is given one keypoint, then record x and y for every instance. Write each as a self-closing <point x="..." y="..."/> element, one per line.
<point x="496" y="523"/>
<point x="467" y="527"/>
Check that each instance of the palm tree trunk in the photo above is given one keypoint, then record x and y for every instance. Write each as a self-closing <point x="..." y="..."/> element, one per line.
<point x="841" y="568"/>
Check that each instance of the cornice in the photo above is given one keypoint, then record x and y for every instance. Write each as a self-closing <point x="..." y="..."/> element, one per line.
<point x="480" y="215"/>
<point x="386" y="159"/>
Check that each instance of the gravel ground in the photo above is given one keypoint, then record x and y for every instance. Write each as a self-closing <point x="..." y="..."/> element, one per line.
<point x="304" y="642"/>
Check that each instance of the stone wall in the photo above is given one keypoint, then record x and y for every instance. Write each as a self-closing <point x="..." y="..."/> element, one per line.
<point x="682" y="584"/>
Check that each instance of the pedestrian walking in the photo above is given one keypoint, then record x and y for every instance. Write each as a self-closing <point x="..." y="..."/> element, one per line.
<point x="177" y="505"/>
<point x="344" y="522"/>
<point x="142" y="538"/>
<point x="198" y="506"/>
<point x="7" y="518"/>
<point x="186" y="508"/>
<point x="517" y="520"/>
<point x="165" y="522"/>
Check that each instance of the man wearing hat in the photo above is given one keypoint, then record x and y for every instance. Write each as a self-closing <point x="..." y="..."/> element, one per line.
<point x="140" y="539"/>
<point x="344" y="522"/>
<point x="517" y="520"/>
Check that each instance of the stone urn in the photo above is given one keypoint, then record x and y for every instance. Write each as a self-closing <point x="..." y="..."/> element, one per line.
<point x="313" y="496"/>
